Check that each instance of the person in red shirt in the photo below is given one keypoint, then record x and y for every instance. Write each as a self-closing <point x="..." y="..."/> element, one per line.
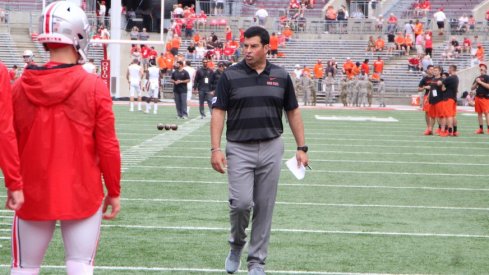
<point x="13" y="73"/>
<point x="67" y="142"/>
<point x="9" y="158"/>
<point x="365" y="67"/>
<point x="466" y="45"/>
<point x="229" y="34"/>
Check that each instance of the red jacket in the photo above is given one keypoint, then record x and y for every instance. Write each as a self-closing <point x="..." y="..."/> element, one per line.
<point x="9" y="156"/>
<point x="65" y="130"/>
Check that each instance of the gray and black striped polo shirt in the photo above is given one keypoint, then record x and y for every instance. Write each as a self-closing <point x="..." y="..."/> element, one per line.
<point x="254" y="102"/>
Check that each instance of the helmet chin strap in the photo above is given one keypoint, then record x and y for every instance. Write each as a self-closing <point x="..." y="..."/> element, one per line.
<point x="79" y="50"/>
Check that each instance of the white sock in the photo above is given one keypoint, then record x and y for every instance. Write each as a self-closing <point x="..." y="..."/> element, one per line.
<point x="156" y="108"/>
<point x="78" y="268"/>
<point x="139" y="105"/>
<point x="147" y="107"/>
<point x="131" y="104"/>
<point x="24" y="271"/>
<point x="188" y="110"/>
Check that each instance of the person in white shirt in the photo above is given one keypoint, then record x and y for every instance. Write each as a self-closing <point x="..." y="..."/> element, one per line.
<point x="178" y="11"/>
<point x="90" y="66"/>
<point x="134" y="76"/>
<point x="440" y="18"/>
<point x="153" y="76"/>
<point x="463" y="23"/>
<point x="101" y="12"/>
<point x="191" y="72"/>
<point x="262" y="15"/>
<point x="297" y="74"/>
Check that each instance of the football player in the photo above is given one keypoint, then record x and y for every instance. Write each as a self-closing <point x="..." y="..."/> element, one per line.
<point x="66" y="135"/>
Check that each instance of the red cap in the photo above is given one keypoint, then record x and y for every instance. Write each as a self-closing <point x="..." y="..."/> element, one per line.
<point x="483" y="65"/>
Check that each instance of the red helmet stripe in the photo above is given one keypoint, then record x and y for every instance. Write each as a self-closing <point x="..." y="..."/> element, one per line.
<point x="47" y="19"/>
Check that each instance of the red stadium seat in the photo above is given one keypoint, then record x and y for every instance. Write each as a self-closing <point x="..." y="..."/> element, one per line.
<point x="223" y="22"/>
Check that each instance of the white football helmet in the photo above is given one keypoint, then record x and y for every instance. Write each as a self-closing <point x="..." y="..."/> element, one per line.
<point x="63" y="22"/>
<point x="28" y="56"/>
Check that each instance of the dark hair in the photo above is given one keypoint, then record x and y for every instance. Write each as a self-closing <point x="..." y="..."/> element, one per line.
<point x="260" y="32"/>
<point x="188" y="63"/>
<point x="465" y="94"/>
<point x="454" y="67"/>
<point x="180" y="62"/>
<point x="429" y="66"/>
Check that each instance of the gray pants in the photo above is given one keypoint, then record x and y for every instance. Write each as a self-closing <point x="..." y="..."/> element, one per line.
<point x="181" y="104"/>
<point x="253" y="174"/>
<point x="205" y="97"/>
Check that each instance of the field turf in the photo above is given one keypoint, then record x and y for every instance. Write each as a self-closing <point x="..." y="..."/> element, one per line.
<point x="381" y="198"/>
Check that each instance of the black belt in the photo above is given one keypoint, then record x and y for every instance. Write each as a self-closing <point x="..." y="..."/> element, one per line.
<point x="257" y="141"/>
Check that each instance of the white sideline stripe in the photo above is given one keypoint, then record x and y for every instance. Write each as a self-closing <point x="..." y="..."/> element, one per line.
<point x="411" y="141"/>
<point x="352" y="161"/>
<point x="210" y="270"/>
<point x="311" y="231"/>
<point x="323" y="171"/>
<point x="352" y="152"/>
<point x="138" y="153"/>
<point x="322" y="185"/>
<point x="5" y="238"/>
<point x="349" y="205"/>
<point x="317" y="145"/>
<point x="357" y="118"/>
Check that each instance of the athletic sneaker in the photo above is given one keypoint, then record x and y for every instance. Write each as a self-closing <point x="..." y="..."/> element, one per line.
<point x="257" y="271"/>
<point x="443" y="134"/>
<point x="438" y="131"/>
<point x="479" y="131"/>
<point x="455" y="134"/>
<point x="428" y="132"/>
<point x="233" y="261"/>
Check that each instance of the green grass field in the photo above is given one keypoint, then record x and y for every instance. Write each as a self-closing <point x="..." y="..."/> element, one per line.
<point x="381" y="198"/>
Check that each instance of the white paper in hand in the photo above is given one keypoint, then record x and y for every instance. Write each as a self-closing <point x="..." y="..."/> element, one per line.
<point x="299" y="172"/>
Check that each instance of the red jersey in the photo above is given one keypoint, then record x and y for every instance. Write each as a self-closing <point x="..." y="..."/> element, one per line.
<point x="9" y="156"/>
<point x="145" y="51"/>
<point x="67" y="142"/>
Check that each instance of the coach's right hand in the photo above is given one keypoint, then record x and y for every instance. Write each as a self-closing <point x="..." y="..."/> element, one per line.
<point x="218" y="161"/>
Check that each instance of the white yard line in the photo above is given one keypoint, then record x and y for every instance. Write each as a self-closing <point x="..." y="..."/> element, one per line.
<point x="350" y="161"/>
<point x="150" y="147"/>
<point x="301" y="231"/>
<point x="186" y="168"/>
<point x="301" y="185"/>
<point x="345" y="140"/>
<point x="194" y="149"/>
<point x="348" y="205"/>
<point x="210" y="270"/>
<point x="345" y="144"/>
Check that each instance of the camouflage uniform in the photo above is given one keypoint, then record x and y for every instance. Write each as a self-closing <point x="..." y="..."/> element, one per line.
<point x="363" y="87"/>
<point x="307" y="87"/>
<point x="329" y="90"/>
<point x="381" y="90"/>
<point x="344" y="92"/>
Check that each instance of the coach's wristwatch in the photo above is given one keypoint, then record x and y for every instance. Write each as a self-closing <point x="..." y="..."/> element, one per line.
<point x="303" y="148"/>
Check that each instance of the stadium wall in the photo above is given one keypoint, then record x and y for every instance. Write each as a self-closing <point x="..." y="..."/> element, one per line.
<point x="466" y="78"/>
<point x="480" y="10"/>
